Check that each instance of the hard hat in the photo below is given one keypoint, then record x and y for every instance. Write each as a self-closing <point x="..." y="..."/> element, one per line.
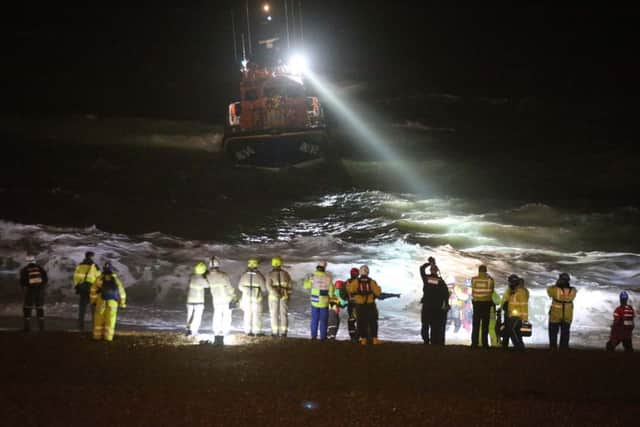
<point x="624" y="296"/>
<point x="322" y="264"/>
<point x="339" y="284"/>
<point x="108" y="267"/>
<point x="253" y="262"/>
<point x="276" y="261"/>
<point x="30" y="259"/>
<point x="89" y="254"/>
<point x="364" y="270"/>
<point x="200" y="268"/>
<point x="513" y="279"/>
<point x="214" y="262"/>
<point x="354" y="272"/>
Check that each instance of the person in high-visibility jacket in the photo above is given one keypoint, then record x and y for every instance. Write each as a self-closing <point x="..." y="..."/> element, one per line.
<point x="253" y="287"/>
<point x="482" y="287"/>
<point x="364" y="292"/>
<point x="223" y="296"/>
<point x="623" y="324"/>
<point x="562" y="295"/>
<point x="198" y="282"/>
<point x="279" y="285"/>
<point x="336" y="303"/>
<point x="84" y="277"/>
<point x="320" y="284"/>
<point x="494" y="314"/>
<point x="516" y="308"/>
<point x="352" y="322"/>
<point x="107" y="294"/>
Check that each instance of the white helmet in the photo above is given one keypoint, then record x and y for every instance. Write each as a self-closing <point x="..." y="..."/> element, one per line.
<point x="214" y="262"/>
<point x="322" y="264"/>
<point x="364" y="270"/>
<point x="30" y="259"/>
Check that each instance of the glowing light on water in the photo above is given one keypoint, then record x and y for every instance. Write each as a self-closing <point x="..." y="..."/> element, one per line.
<point x="363" y="128"/>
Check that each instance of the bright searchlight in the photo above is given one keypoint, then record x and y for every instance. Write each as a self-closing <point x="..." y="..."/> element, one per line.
<point x="298" y="64"/>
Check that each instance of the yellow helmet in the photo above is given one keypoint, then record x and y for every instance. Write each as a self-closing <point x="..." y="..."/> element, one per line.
<point x="200" y="268"/>
<point x="253" y="262"/>
<point x="276" y="262"/>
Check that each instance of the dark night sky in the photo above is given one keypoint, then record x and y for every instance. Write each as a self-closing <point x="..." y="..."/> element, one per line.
<point x="176" y="61"/>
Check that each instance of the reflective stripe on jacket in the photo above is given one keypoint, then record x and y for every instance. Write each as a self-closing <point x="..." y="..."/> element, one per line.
<point x="222" y="292"/>
<point x="518" y="302"/>
<point x="482" y="287"/>
<point x="561" y="309"/>
<point x="85" y="272"/>
<point x="195" y="292"/>
<point x="321" y="285"/>
<point x="252" y="285"/>
<point x="623" y="316"/>
<point x="279" y="284"/>
<point x="364" y="290"/>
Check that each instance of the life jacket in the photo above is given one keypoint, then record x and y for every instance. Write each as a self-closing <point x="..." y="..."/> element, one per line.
<point x="364" y="286"/>
<point x="34" y="276"/>
<point x="623" y="316"/>
<point x="109" y="289"/>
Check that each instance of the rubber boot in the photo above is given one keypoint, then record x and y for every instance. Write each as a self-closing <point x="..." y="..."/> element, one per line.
<point x="376" y="341"/>
<point x="27" y="324"/>
<point x="363" y="341"/>
<point x="41" y="325"/>
<point x="218" y="340"/>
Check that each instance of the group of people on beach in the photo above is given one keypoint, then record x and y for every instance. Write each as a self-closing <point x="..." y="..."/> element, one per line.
<point x="496" y="320"/>
<point x="499" y="320"/>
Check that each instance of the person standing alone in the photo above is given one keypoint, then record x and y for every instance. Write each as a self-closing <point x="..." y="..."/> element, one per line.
<point x="33" y="280"/>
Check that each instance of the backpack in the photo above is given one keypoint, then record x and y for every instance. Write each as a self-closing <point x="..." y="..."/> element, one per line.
<point x="109" y="290"/>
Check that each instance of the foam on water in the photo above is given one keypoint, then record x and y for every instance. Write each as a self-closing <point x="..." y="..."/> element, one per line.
<point x="393" y="234"/>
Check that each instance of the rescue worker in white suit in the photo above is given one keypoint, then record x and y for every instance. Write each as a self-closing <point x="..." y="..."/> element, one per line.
<point x="280" y="289"/>
<point x="198" y="282"/>
<point x="223" y="296"/>
<point x="253" y="287"/>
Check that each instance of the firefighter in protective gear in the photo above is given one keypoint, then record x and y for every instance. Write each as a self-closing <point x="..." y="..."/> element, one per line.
<point x="482" y="287"/>
<point x="337" y="302"/>
<point x="351" y="305"/>
<point x="107" y="294"/>
<point x="623" y="324"/>
<point x="435" y="304"/>
<point x="562" y="295"/>
<point x="222" y="295"/>
<point x="253" y="286"/>
<point x="280" y="288"/>
<point x="364" y="291"/>
<point x="516" y="310"/>
<point x="198" y="282"/>
<point x="84" y="277"/>
<point x="321" y="288"/>
<point x="33" y="280"/>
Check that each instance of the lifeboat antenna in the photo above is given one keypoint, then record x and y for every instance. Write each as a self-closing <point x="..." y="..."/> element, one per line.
<point x="248" y="29"/>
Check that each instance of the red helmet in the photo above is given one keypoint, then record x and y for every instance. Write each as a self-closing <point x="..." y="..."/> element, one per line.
<point x="339" y="284"/>
<point x="355" y="272"/>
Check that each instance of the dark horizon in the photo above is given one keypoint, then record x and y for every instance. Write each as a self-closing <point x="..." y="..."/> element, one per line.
<point x="177" y="62"/>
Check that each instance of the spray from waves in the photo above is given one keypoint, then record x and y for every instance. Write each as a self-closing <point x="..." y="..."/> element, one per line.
<point x="393" y="234"/>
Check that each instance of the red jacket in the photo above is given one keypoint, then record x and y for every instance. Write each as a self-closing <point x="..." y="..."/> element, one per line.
<point x="623" y="317"/>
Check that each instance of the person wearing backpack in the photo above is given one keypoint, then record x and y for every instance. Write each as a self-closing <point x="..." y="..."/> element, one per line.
<point x="33" y="280"/>
<point x="84" y="277"/>
<point x="562" y="295"/>
<point x="107" y="294"/>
